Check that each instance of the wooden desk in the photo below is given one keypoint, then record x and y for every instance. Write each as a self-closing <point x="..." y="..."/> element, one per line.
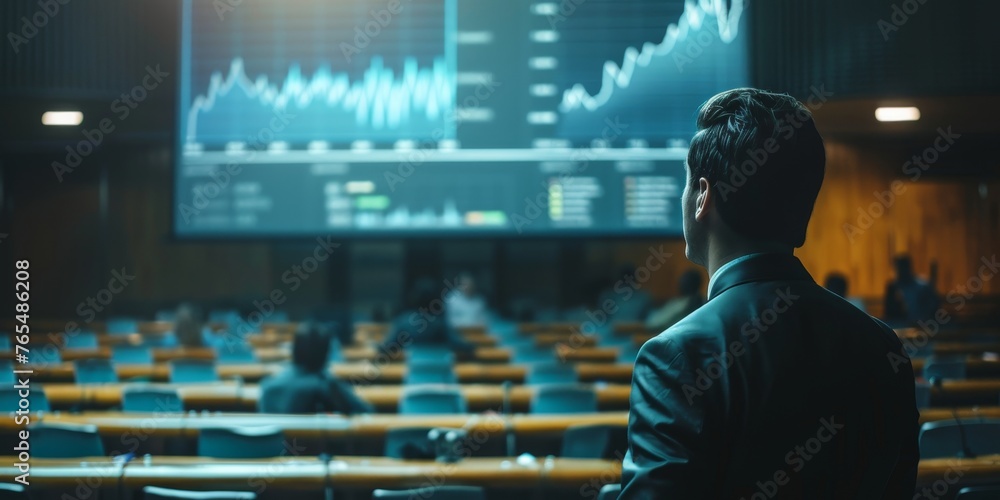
<point x="284" y="473"/>
<point x="95" y="472"/>
<point x="188" y="425"/>
<point x="309" y="473"/>
<point x="359" y="372"/>
<point x="230" y="396"/>
<point x="975" y="367"/>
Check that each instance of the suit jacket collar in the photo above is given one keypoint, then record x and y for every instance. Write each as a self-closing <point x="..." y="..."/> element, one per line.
<point x="759" y="267"/>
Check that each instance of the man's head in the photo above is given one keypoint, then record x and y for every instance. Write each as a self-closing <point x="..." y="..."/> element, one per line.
<point x="311" y="346"/>
<point x="466" y="284"/>
<point x="754" y="169"/>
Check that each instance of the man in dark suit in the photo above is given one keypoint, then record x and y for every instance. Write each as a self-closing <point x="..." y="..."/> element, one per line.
<point x="775" y="388"/>
<point x="306" y="386"/>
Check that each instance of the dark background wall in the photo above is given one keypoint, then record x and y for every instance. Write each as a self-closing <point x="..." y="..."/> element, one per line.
<point x="112" y="211"/>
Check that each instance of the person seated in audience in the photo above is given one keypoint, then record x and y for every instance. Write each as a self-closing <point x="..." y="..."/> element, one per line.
<point x="465" y="306"/>
<point x="774" y="388"/>
<point x="837" y="283"/>
<point x="423" y="322"/>
<point x="188" y="326"/>
<point x="909" y="299"/>
<point x="631" y="302"/>
<point x="306" y="386"/>
<point x="689" y="298"/>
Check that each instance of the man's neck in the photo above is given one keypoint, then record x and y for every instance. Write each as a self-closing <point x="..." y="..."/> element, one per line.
<point x="721" y="253"/>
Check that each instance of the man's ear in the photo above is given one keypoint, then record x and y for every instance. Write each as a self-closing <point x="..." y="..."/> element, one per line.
<point x="704" y="200"/>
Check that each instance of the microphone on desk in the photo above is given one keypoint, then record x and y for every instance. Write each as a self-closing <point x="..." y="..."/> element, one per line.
<point x="965" y="452"/>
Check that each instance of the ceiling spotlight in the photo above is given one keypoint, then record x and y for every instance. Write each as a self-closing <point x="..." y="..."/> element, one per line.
<point x="910" y="114"/>
<point x="62" y="118"/>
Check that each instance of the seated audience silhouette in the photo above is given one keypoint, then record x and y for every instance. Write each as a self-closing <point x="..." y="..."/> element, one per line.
<point x="909" y="299"/>
<point x="423" y="322"/>
<point x="188" y="326"/>
<point x="306" y="386"/>
<point x="631" y="302"/>
<point x="688" y="299"/>
<point x="837" y="283"/>
<point x="466" y="307"/>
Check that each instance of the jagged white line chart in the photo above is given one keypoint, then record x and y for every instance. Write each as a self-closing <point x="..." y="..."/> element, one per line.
<point x="695" y="17"/>
<point x="380" y="100"/>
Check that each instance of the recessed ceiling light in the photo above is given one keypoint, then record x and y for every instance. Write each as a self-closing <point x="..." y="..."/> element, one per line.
<point x="908" y="114"/>
<point x="62" y="118"/>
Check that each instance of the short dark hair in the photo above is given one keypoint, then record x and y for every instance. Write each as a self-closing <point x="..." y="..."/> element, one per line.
<point x="311" y="346"/>
<point x="763" y="156"/>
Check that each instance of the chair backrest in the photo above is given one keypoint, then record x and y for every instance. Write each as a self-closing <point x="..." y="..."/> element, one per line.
<point x="157" y="493"/>
<point x="131" y="355"/>
<point x="430" y="372"/>
<point x="6" y="373"/>
<point x="532" y="354"/>
<point x="94" y="371"/>
<point x="979" y="493"/>
<point x="441" y="354"/>
<point x="234" y="353"/>
<point x="408" y="442"/>
<point x="242" y="442"/>
<point x="120" y="326"/>
<point x="83" y="339"/>
<point x="10" y="399"/>
<point x="44" y="354"/>
<point x="944" y="438"/>
<point x="609" y="492"/>
<point x="165" y="315"/>
<point x="65" y="441"/>
<point x="627" y="354"/>
<point x="944" y="368"/>
<point x="189" y="371"/>
<point x="559" y="398"/>
<point x="551" y="373"/>
<point x="431" y="400"/>
<point x="595" y="441"/>
<point x="923" y="395"/>
<point x="439" y="493"/>
<point x="151" y="400"/>
<point x="12" y="492"/>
